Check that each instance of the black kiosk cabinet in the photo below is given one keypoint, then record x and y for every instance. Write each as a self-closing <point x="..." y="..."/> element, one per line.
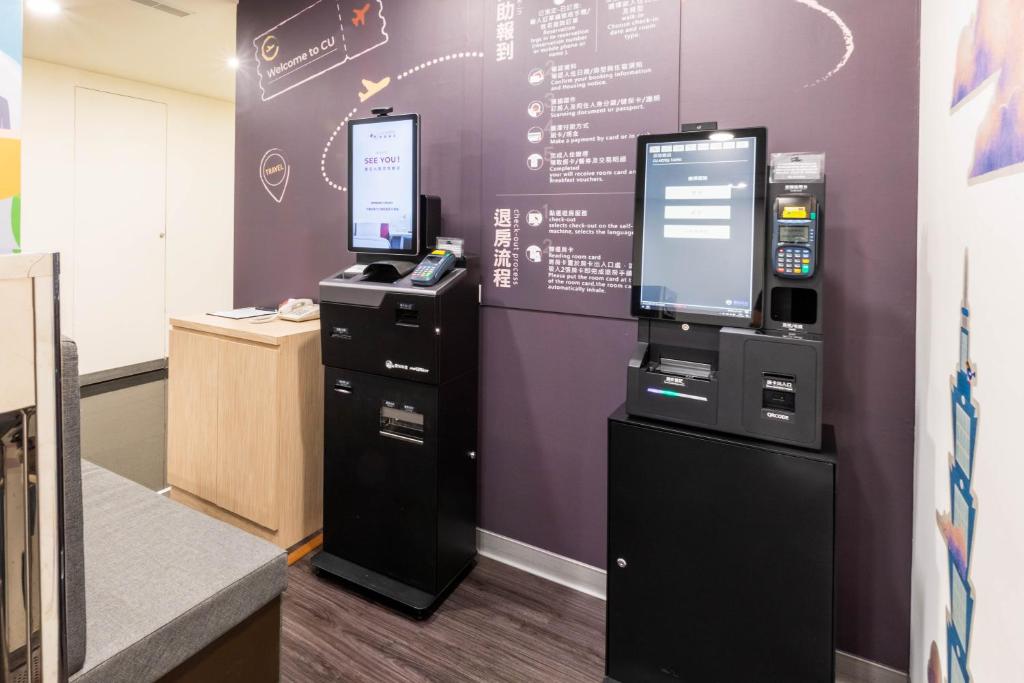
<point x="400" y="408"/>
<point x="721" y="477"/>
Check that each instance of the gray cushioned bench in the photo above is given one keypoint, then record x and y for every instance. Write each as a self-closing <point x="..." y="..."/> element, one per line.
<point x="162" y="581"/>
<point x="168" y="592"/>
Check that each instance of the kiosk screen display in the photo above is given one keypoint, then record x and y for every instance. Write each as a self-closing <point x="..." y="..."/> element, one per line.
<point x="383" y="188"/>
<point x="699" y="228"/>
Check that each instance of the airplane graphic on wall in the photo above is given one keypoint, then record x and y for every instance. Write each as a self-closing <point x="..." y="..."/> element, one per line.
<point x="359" y="15"/>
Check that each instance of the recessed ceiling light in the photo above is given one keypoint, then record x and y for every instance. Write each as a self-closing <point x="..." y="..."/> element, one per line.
<point x="233" y="62"/>
<point x="46" y="8"/>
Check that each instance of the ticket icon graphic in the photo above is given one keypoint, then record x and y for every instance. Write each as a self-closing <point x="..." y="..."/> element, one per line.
<point x="310" y="43"/>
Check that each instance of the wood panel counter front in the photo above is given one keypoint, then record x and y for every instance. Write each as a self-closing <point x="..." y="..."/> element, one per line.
<point x="245" y="424"/>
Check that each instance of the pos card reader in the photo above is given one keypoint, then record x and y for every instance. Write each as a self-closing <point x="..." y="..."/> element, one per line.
<point x="432" y="268"/>
<point x="795" y="236"/>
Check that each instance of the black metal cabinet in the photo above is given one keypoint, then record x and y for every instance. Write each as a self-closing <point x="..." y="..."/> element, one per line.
<point x="382" y="502"/>
<point x="400" y="435"/>
<point x="721" y="557"/>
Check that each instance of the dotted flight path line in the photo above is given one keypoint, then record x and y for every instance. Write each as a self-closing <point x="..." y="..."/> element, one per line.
<point x="327" y="148"/>
<point x="405" y="74"/>
<point x="439" y="60"/>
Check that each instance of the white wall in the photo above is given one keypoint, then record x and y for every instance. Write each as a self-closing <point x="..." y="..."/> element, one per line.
<point x="200" y="186"/>
<point x="982" y="216"/>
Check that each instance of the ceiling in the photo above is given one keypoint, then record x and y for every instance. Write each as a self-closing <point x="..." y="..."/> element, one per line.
<point x="131" y="40"/>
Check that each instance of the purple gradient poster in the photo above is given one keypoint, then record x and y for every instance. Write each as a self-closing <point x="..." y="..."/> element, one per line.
<point x="568" y="85"/>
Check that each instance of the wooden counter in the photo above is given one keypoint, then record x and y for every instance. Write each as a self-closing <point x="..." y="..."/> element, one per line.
<point x="245" y="424"/>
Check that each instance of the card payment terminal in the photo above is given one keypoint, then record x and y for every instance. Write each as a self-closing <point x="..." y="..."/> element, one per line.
<point x="432" y="268"/>
<point x="794" y="236"/>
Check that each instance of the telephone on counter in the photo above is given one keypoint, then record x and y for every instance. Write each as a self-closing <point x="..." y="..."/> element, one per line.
<point x="298" y="310"/>
<point x="433" y="267"/>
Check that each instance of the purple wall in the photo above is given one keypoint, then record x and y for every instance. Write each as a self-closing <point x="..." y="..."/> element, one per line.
<point x="283" y="249"/>
<point x="865" y="118"/>
<point x="549" y="380"/>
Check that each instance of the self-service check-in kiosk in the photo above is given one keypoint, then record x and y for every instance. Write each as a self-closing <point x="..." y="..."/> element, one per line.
<point x="721" y="477"/>
<point x="399" y="346"/>
<point x="729" y="334"/>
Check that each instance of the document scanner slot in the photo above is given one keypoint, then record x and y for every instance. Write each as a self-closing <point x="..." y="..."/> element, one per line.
<point x="778" y="392"/>
<point x="403" y="425"/>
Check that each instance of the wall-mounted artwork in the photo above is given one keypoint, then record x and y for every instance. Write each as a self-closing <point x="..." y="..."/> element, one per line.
<point x="957" y="525"/>
<point x="10" y="113"/>
<point x="990" y="49"/>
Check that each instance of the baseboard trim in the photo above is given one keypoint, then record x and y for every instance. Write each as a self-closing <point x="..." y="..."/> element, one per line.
<point x="123" y="372"/>
<point x="593" y="581"/>
<point x="543" y="563"/>
<point x="857" y="669"/>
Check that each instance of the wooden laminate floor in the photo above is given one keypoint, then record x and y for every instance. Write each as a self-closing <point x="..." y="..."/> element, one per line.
<point x="501" y="624"/>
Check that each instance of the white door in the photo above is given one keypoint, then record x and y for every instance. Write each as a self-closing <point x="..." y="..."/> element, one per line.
<point x="120" y="225"/>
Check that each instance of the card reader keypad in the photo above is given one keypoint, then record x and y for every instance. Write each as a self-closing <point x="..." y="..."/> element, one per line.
<point x="424" y="270"/>
<point x="794" y="261"/>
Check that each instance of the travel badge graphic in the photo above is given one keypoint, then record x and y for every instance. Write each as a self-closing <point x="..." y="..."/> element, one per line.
<point x="321" y="37"/>
<point x="275" y="173"/>
<point x="957" y="526"/>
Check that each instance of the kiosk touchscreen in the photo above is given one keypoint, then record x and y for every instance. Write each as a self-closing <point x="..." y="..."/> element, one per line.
<point x="384" y="185"/>
<point x="698" y="231"/>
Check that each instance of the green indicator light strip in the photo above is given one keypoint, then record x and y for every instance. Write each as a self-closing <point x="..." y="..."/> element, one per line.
<point x="676" y="394"/>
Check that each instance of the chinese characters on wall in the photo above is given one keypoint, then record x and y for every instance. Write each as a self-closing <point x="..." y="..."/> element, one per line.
<point x="568" y="87"/>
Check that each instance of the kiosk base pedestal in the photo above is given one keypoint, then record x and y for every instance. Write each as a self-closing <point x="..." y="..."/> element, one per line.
<point x="721" y="556"/>
<point x="375" y="586"/>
